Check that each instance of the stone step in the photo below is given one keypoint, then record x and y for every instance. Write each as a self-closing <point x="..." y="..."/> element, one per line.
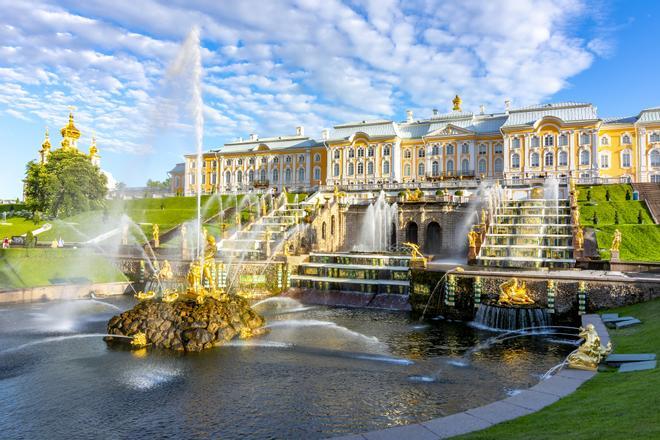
<point x="616" y="318"/>
<point x="628" y="323"/>
<point x="637" y="366"/>
<point x="618" y="359"/>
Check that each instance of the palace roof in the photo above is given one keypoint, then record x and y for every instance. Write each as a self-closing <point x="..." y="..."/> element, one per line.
<point x="649" y="115"/>
<point x="566" y="111"/>
<point x="270" y="143"/>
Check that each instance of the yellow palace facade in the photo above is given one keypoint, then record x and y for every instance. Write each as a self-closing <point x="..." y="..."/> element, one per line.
<point x="563" y="139"/>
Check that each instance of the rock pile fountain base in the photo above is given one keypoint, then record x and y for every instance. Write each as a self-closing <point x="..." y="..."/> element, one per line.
<point x="186" y="325"/>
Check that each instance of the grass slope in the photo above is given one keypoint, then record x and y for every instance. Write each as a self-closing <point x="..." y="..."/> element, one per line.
<point x="611" y="405"/>
<point x="20" y="267"/>
<point x="17" y="226"/>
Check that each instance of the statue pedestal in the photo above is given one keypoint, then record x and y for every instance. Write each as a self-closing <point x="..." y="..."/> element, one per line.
<point x="472" y="254"/>
<point x="614" y="256"/>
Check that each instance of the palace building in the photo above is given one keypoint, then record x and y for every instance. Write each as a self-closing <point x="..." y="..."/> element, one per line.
<point x="566" y="139"/>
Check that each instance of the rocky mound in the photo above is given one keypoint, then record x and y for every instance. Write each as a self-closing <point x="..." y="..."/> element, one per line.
<point x="186" y="325"/>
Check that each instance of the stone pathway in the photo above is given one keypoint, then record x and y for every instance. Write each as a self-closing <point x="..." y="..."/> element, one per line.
<point x="526" y="402"/>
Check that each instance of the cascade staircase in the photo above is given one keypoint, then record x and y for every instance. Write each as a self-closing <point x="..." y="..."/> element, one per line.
<point x="650" y="193"/>
<point x="530" y="233"/>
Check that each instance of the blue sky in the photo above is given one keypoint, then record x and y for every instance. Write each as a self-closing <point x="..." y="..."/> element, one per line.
<point x="270" y="66"/>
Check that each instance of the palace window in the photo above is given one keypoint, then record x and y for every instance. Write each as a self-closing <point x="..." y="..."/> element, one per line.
<point x="549" y="141"/>
<point x="192" y="179"/>
<point x="301" y="158"/>
<point x="406" y="170"/>
<point x="655" y="137"/>
<point x="499" y="165"/>
<point x="370" y="168"/>
<point x="450" y="166"/>
<point x="240" y="162"/>
<point x="483" y="150"/>
<point x="655" y="158"/>
<point x="251" y="176"/>
<point x="227" y="178"/>
<point x="213" y="179"/>
<point x="386" y="167"/>
<point x="549" y="159"/>
<point x="351" y="153"/>
<point x="407" y="154"/>
<point x="288" y="159"/>
<point x="239" y="176"/>
<point x="332" y="225"/>
<point x="465" y="149"/>
<point x="203" y="179"/>
<point x="301" y="174"/>
<point x="317" y="173"/>
<point x="625" y="139"/>
<point x="584" y="157"/>
<point x="450" y="149"/>
<point x="534" y="159"/>
<point x="251" y="161"/>
<point x="228" y="162"/>
<point x="360" y="152"/>
<point x="498" y="148"/>
<point x="351" y="169"/>
<point x="465" y="166"/>
<point x="370" y="151"/>
<point x="604" y="140"/>
<point x="563" y="158"/>
<point x="386" y="150"/>
<point x="420" y="169"/>
<point x="434" y="168"/>
<point x="317" y="157"/>
<point x="435" y="150"/>
<point x="515" y="143"/>
<point x="482" y="166"/>
<point x="626" y="158"/>
<point x="360" y="169"/>
<point x="563" y="140"/>
<point x="515" y="160"/>
<point x="420" y="152"/>
<point x="287" y="175"/>
<point x="604" y="160"/>
<point x="335" y="171"/>
<point x="534" y="141"/>
<point x="585" y="139"/>
<point x="336" y="153"/>
<point x="276" y="175"/>
<point x="323" y="228"/>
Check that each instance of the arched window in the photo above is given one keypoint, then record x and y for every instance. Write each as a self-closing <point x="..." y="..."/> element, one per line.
<point x="515" y="142"/>
<point x="351" y="169"/>
<point x="276" y="175"/>
<point x="360" y="152"/>
<point x="420" y="169"/>
<point x="549" y="140"/>
<point x="370" y="168"/>
<point x="228" y="162"/>
<point x="301" y="158"/>
<point x="604" y="140"/>
<point x="626" y="158"/>
<point x="534" y="141"/>
<point x="482" y="166"/>
<point x="351" y="153"/>
<point x="288" y="159"/>
<point x="406" y="170"/>
<point x="407" y="154"/>
<point x="301" y="174"/>
<point x="421" y="152"/>
<point x="276" y="160"/>
<point x="336" y="153"/>
<point x="465" y="166"/>
<point x="534" y="159"/>
<point x="584" y="157"/>
<point x="655" y="158"/>
<point x="370" y="151"/>
<point x="515" y="160"/>
<point x="549" y="159"/>
<point x="465" y="149"/>
<point x="251" y="161"/>
<point x="434" y="168"/>
<point x="263" y="174"/>
<point x="386" y="150"/>
<point x="360" y="169"/>
<point x="323" y="231"/>
<point x="435" y="150"/>
<point x="386" y="167"/>
<point x="332" y="225"/>
<point x="227" y="178"/>
<point x="483" y="150"/>
<point x="317" y="173"/>
<point x="213" y="179"/>
<point x="655" y="137"/>
<point x="499" y="165"/>
<point x="240" y="162"/>
<point x="335" y="171"/>
<point x="498" y="148"/>
<point x="449" y="148"/>
<point x="251" y="176"/>
<point x="625" y="139"/>
<point x="585" y="139"/>
<point x="287" y="175"/>
<point x="450" y="166"/>
<point x="317" y="157"/>
<point x="563" y="158"/>
<point x="563" y="140"/>
<point x="239" y="177"/>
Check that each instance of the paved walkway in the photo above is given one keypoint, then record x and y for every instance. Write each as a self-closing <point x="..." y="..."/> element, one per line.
<point x="529" y="401"/>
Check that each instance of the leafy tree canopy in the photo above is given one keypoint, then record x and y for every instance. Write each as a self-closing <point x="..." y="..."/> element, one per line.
<point x="67" y="184"/>
<point x="155" y="184"/>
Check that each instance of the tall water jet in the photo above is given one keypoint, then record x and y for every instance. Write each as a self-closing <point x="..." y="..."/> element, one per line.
<point x="378" y="224"/>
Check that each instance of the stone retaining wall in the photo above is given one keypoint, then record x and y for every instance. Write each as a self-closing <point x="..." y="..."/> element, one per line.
<point x="67" y="291"/>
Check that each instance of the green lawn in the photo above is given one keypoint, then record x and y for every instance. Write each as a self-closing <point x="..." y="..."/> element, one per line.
<point x="20" y="267"/>
<point x="640" y="242"/>
<point x="611" y="405"/>
<point x="17" y="226"/>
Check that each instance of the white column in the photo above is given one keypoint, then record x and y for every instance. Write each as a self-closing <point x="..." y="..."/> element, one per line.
<point x="471" y="160"/>
<point x="571" y="153"/>
<point x="395" y="163"/>
<point x="308" y="164"/>
<point x="642" y="174"/>
<point x="594" y="155"/>
<point x="506" y="150"/>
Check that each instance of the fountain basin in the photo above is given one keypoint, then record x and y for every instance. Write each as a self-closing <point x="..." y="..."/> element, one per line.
<point x="187" y="325"/>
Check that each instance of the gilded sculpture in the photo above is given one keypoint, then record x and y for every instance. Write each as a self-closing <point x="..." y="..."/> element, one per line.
<point x="155" y="232"/>
<point x="576" y="217"/>
<point x="514" y="293"/>
<point x="414" y="196"/>
<point x="579" y="238"/>
<point x="473" y="237"/>
<point x="591" y="352"/>
<point x="417" y="260"/>
<point x="616" y="241"/>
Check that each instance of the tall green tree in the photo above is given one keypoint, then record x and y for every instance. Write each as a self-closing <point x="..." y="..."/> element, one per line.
<point x="67" y="184"/>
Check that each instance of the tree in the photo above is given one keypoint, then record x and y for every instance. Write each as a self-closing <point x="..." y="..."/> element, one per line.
<point x="627" y="194"/>
<point x="639" y="217"/>
<point x="607" y="194"/>
<point x="616" y="217"/>
<point x="67" y="184"/>
<point x="594" y="219"/>
<point x="155" y="184"/>
<point x="589" y="195"/>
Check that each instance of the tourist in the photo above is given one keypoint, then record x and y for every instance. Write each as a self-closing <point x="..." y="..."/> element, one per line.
<point x="60" y="243"/>
<point x="5" y="243"/>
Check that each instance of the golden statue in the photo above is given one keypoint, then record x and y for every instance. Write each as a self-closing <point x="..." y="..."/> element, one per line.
<point x="579" y="238"/>
<point x="264" y="208"/>
<point x="484" y="216"/>
<point x="616" y="241"/>
<point x="170" y="296"/>
<point x="514" y="293"/>
<point x="457" y="103"/>
<point x="142" y="296"/>
<point x="414" y="196"/>
<point x="165" y="272"/>
<point x="155" y="232"/>
<point x="591" y="352"/>
<point x="473" y="236"/>
<point x="576" y="217"/>
<point x="194" y="278"/>
<point x="139" y="340"/>
<point x="417" y="260"/>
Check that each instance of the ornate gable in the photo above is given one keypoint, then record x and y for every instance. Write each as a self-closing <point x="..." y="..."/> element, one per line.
<point x="450" y="130"/>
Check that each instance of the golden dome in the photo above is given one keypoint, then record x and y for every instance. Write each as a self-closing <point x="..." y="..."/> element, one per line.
<point x="46" y="144"/>
<point x="70" y="131"/>
<point x="93" y="150"/>
<point x="457" y="103"/>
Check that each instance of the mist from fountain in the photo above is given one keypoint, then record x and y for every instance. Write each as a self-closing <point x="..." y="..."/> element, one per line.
<point x="377" y="226"/>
